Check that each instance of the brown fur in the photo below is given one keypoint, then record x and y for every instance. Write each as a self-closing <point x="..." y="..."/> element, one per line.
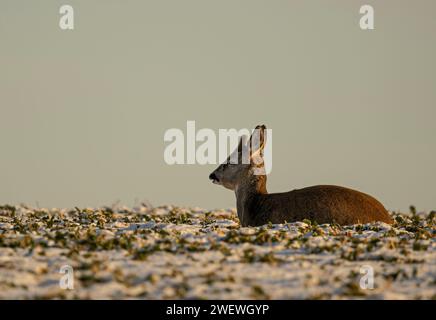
<point x="323" y="204"/>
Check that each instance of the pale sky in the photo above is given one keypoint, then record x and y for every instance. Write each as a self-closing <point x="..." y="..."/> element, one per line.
<point x="83" y="112"/>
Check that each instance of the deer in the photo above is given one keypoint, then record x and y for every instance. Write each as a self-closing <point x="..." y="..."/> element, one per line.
<point x="323" y="204"/>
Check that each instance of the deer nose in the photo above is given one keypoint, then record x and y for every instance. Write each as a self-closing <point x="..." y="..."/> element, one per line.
<point x="212" y="176"/>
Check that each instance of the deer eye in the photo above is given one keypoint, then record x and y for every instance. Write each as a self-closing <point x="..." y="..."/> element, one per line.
<point x="226" y="165"/>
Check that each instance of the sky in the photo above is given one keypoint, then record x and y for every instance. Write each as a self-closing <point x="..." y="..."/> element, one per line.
<point x="83" y="112"/>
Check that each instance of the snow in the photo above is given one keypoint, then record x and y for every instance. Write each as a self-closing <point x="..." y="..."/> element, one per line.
<point x="190" y="253"/>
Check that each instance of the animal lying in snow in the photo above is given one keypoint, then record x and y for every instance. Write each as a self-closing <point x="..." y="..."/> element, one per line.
<point x="321" y="203"/>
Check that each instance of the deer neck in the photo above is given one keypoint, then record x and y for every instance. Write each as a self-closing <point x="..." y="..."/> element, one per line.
<point x="247" y="194"/>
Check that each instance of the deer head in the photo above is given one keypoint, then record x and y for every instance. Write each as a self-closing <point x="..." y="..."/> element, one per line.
<point x="245" y="162"/>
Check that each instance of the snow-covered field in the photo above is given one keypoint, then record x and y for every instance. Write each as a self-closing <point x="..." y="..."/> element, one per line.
<point x="190" y="253"/>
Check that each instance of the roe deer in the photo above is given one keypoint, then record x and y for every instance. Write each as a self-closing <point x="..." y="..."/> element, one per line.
<point x="322" y="203"/>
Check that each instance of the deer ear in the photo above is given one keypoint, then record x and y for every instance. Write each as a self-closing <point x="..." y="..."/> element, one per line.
<point x="257" y="141"/>
<point x="242" y="142"/>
